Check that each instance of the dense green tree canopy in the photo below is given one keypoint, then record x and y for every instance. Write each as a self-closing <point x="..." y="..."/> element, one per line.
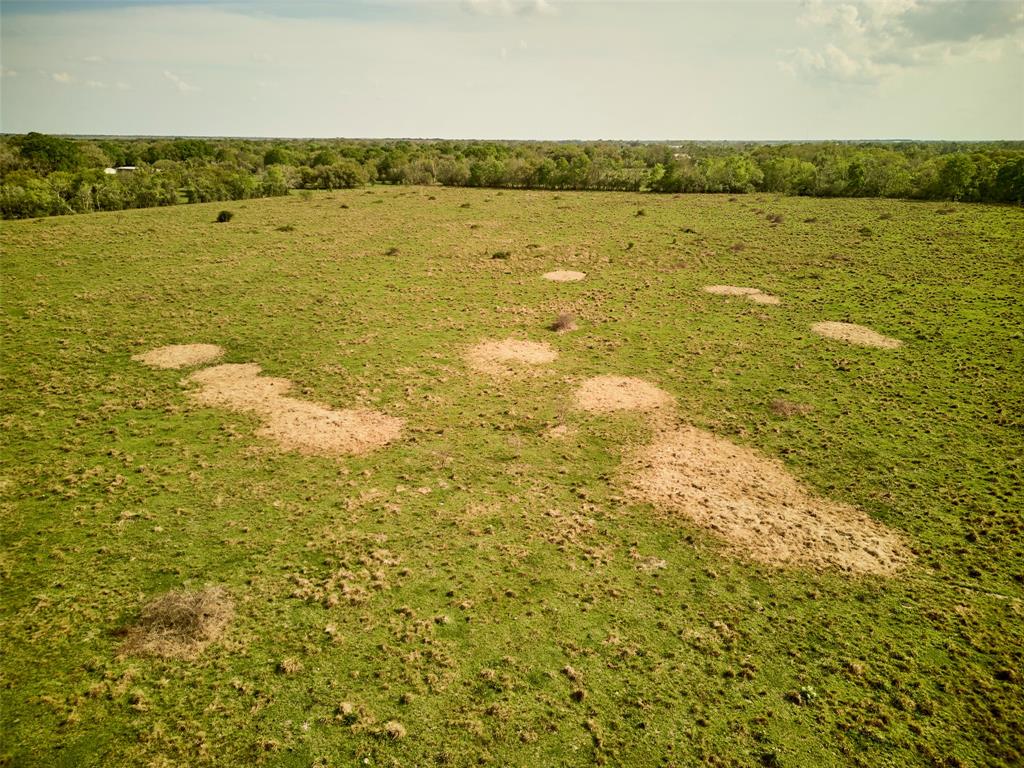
<point x="44" y="175"/>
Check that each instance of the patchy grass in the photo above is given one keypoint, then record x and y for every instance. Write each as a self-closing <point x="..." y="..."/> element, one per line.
<point x="477" y="592"/>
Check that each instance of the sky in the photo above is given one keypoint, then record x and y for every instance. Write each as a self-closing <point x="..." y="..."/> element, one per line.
<point x="515" y="69"/>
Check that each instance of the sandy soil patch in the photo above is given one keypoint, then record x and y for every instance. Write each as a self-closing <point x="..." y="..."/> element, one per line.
<point x="294" y="424"/>
<point x="606" y="394"/>
<point x="509" y="356"/>
<point x="180" y="355"/>
<point x="855" y="334"/>
<point x="558" y="432"/>
<point x="564" y="276"/>
<point x="755" y="505"/>
<point x="751" y="294"/>
<point x="180" y="624"/>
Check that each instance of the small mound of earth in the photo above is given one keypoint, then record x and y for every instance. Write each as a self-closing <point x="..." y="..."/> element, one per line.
<point x="606" y="394"/>
<point x="855" y="334"/>
<point x="752" y="294"/>
<point x="758" y="508"/>
<point x="510" y="356"/>
<point x="294" y="424"/>
<point x="180" y="624"/>
<point x="558" y="432"/>
<point x="180" y="355"/>
<point x="564" y="276"/>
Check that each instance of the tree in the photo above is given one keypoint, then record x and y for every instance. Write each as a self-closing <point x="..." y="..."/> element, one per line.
<point x="48" y="153"/>
<point x="956" y="177"/>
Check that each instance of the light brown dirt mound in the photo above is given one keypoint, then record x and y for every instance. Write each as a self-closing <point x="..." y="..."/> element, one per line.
<point x="605" y="394"/>
<point x="295" y="424"/>
<point x="180" y="624"/>
<point x="757" y="507"/>
<point x="855" y="334"/>
<point x="510" y="356"/>
<point x="180" y="355"/>
<point x="752" y="294"/>
<point x="564" y="276"/>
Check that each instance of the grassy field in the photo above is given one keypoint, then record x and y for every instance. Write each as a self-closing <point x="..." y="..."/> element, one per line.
<point x="504" y="608"/>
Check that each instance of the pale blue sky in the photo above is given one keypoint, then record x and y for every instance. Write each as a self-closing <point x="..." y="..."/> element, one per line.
<point x="516" y="69"/>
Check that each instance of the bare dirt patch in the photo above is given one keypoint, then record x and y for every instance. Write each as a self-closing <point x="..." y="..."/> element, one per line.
<point x="180" y="624"/>
<point x="606" y="394"/>
<point x="564" y="276"/>
<point x="757" y="507"/>
<point x="855" y="334"/>
<point x="751" y="294"/>
<point x="180" y="355"/>
<point x="294" y="424"/>
<point x="509" y="356"/>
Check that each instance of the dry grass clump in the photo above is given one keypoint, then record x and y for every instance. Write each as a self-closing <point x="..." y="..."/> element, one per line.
<point x="180" y="624"/>
<point x="564" y="276"/>
<point x="751" y="294"/>
<point x="509" y="356"/>
<point x="179" y="355"/>
<point x="565" y="322"/>
<point x="295" y="424"/>
<point x="855" y="334"/>
<point x="607" y="394"/>
<point x="757" y="507"/>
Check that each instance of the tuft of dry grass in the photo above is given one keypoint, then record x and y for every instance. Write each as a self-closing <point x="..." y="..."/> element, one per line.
<point x="394" y="730"/>
<point x="180" y="623"/>
<point x="565" y="322"/>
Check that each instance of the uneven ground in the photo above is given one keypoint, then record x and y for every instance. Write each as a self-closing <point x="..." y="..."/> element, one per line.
<point x="485" y="589"/>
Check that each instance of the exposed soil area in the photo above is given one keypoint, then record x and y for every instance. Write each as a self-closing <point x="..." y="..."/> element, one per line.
<point x="509" y="356"/>
<point x="757" y="507"/>
<point x="855" y="334"/>
<point x="180" y="355"/>
<point x="294" y="424"/>
<point x="606" y="394"/>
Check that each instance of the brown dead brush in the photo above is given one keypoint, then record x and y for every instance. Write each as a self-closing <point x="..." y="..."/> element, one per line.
<point x="180" y="623"/>
<point x="565" y="322"/>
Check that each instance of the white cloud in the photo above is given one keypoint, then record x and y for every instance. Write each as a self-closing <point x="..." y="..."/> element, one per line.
<point x="95" y="84"/>
<point x="180" y="84"/>
<point x="62" y="77"/>
<point x="510" y="7"/>
<point x="93" y="59"/>
<point x="7" y="72"/>
<point x="868" y="41"/>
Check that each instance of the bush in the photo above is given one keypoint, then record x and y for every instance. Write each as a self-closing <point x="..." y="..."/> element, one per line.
<point x="224" y="217"/>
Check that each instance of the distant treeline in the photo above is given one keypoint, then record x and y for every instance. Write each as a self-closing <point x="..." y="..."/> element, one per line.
<point x="44" y="175"/>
